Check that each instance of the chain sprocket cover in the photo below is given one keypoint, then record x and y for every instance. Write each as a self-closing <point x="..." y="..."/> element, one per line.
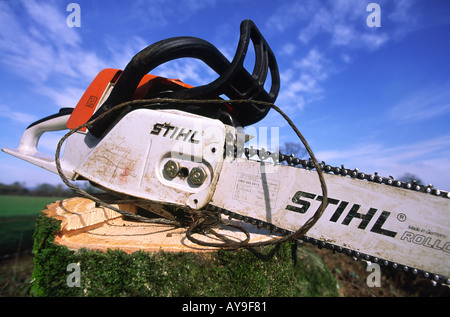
<point x="166" y="156"/>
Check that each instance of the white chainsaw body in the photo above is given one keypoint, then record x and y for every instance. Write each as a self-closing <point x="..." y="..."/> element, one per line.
<point x="131" y="158"/>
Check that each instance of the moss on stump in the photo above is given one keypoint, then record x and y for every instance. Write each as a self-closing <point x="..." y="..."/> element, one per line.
<point x="165" y="274"/>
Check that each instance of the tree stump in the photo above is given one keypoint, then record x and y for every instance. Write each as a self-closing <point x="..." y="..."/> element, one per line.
<point x="84" y="250"/>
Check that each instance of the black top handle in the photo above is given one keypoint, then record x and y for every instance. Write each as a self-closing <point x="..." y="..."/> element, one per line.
<point x="234" y="81"/>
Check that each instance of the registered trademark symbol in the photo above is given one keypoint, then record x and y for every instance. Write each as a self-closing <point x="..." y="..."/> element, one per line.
<point x="401" y="217"/>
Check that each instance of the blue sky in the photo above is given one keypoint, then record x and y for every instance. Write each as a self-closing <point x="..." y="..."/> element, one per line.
<point x="374" y="98"/>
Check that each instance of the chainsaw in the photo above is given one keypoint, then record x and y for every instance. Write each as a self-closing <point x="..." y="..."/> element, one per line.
<point x="173" y="147"/>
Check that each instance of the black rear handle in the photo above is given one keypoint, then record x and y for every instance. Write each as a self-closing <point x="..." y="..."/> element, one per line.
<point x="234" y="80"/>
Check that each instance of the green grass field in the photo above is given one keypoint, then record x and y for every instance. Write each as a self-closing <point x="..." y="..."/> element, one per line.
<point x="17" y="221"/>
<point x="17" y="225"/>
<point x="24" y="205"/>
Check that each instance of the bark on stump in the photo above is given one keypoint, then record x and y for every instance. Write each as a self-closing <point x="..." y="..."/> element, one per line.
<point x="83" y="250"/>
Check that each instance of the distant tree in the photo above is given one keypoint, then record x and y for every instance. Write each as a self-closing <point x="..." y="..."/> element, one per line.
<point x="15" y="188"/>
<point x="410" y="178"/>
<point x="61" y="191"/>
<point x="87" y="187"/>
<point x="45" y="190"/>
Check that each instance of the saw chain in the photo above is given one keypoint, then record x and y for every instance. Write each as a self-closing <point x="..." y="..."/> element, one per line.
<point x="295" y="162"/>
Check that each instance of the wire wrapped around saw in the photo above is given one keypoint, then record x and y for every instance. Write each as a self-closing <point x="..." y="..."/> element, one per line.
<point x="200" y="223"/>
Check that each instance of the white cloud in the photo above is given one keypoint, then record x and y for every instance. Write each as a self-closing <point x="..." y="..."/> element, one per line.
<point x="376" y="152"/>
<point x="302" y="83"/>
<point x="321" y="20"/>
<point x="344" y="25"/>
<point x="39" y="43"/>
<point x="122" y="52"/>
<point x="188" y="70"/>
<point x="343" y="35"/>
<point x="51" y="22"/>
<point x="289" y="13"/>
<point x="425" y="104"/>
<point x="35" y="39"/>
<point x="16" y="116"/>
<point x="163" y="12"/>
<point x="344" y="22"/>
<point x="335" y="32"/>
<point x="66" y="96"/>
<point x="373" y="41"/>
<point x="315" y="64"/>
<point x="428" y="159"/>
<point x="288" y="49"/>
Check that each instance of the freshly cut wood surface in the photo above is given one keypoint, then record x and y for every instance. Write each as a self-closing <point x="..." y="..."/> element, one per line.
<point x="84" y="225"/>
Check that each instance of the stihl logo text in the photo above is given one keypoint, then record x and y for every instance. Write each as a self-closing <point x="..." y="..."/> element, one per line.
<point x="173" y="132"/>
<point x="302" y="202"/>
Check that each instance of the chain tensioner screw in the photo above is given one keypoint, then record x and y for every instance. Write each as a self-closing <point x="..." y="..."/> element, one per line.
<point x="197" y="176"/>
<point x="171" y="168"/>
